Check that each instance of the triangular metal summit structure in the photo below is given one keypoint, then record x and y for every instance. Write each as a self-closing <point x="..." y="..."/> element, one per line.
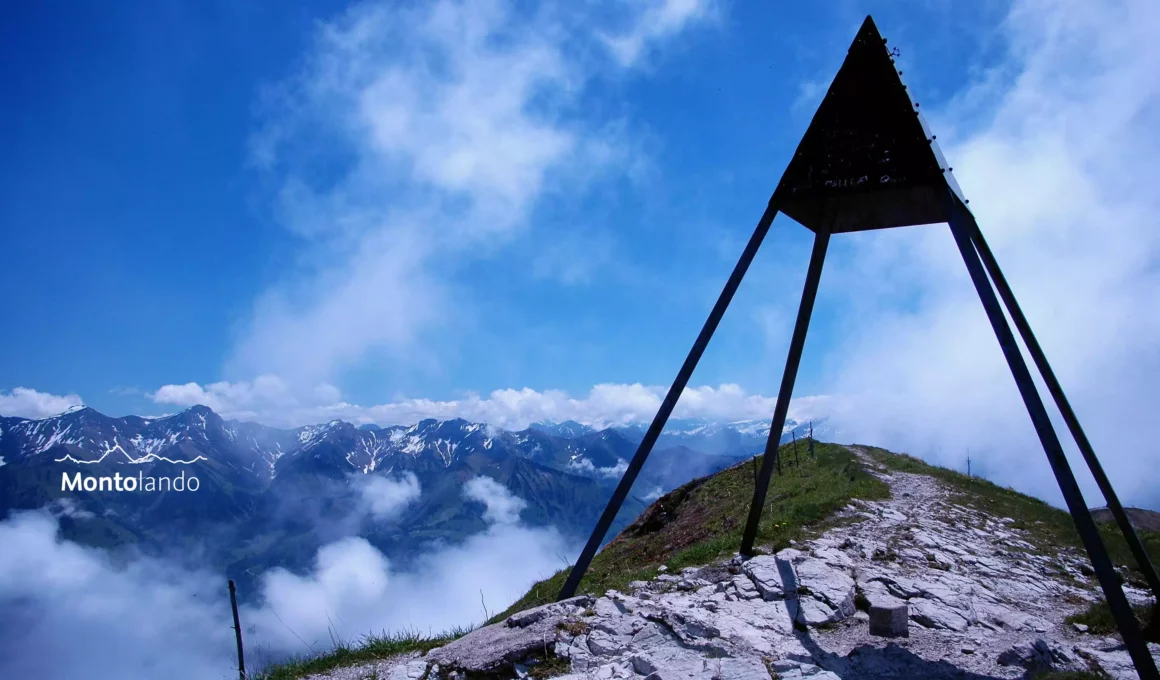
<point x="868" y="161"/>
<point x="865" y="161"/>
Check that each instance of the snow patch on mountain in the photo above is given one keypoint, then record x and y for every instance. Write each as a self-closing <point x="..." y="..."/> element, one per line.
<point x="86" y="437"/>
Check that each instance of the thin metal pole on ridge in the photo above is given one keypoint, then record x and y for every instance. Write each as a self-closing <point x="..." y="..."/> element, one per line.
<point x="237" y="631"/>
<point x="1061" y="402"/>
<point x="960" y="222"/>
<point x="670" y="401"/>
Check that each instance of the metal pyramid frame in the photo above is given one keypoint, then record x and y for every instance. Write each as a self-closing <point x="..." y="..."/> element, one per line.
<point x="868" y="161"/>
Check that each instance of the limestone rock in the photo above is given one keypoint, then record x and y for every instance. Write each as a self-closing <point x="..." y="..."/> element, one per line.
<point x="601" y="643"/>
<point x="642" y="664"/>
<point x="828" y="585"/>
<point x="770" y="575"/>
<point x="932" y="614"/>
<point x="496" y="646"/>
<point x="746" y="589"/>
<point x="409" y="671"/>
<point x="1040" y="655"/>
<point x="528" y="617"/>
<point x="813" y="612"/>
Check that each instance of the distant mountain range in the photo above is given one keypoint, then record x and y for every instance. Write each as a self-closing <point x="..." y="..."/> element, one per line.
<point x="269" y="496"/>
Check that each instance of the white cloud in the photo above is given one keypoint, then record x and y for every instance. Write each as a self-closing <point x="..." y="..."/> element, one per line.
<point x="586" y="466"/>
<point x="28" y="403"/>
<point x="76" y="612"/>
<point x="604" y="405"/>
<point x="414" y="140"/>
<point x="502" y="506"/>
<point x="659" y="19"/>
<point x="354" y="589"/>
<point x="72" y="611"/>
<point x="385" y="497"/>
<point x="266" y="391"/>
<point x="1057" y="157"/>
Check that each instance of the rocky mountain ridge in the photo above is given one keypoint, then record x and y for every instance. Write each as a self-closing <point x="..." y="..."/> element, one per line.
<point x="980" y="600"/>
<point x="272" y="496"/>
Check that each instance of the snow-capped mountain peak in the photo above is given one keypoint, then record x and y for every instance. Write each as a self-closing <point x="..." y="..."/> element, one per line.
<point x="85" y="436"/>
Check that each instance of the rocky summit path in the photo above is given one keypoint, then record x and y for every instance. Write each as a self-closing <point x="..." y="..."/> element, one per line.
<point x="982" y="603"/>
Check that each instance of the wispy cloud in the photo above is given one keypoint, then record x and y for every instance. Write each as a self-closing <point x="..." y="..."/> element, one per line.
<point x="658" y="19"/>
<point x="415" y="140"/>
<point x="266" y="393"/>
<point x="383" y="498"/>
<point x="606" y="404"/>
<point x="270" y="400"/>
<point x="501" y="506"/>
<point x="573" y="260"/>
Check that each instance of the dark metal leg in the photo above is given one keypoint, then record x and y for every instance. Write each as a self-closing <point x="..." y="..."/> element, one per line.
<point x="666" y="409"/>
<point x="1069" y="417"/>
<point x="1101" y="563"/>
<point x="796" y="344"/>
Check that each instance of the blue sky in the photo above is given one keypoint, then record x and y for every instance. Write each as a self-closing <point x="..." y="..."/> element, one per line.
<point x="509" y="211"/>
<point x="143" y="232"/>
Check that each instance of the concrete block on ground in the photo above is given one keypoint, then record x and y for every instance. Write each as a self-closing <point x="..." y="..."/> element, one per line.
<point x="889" y="617"/>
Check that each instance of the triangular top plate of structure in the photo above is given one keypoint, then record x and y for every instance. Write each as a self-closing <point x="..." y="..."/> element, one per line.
<point x="865" y="162"/>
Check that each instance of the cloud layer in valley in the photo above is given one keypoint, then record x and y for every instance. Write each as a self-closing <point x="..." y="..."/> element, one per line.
<point x="74" y="611"/>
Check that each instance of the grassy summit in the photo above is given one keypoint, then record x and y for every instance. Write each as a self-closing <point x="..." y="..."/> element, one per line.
<point x="703" y="520"/>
